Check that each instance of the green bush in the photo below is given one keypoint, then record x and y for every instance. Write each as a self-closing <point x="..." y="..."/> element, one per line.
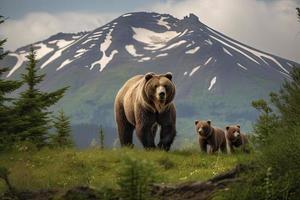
<point x="276" y="168"/>
<point x="135" y="179"/>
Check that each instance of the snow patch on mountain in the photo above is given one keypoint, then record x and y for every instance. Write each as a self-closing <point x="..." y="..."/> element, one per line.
<point x="132" y="51"/>
<point x="68" y="61"/>
<point x="192" y="51"/>
<point x="21" y="58"/>
<point x="208" y="60"/>
<point x="162" y="54"/>
<point x="88" y="40"/>
<point x="194" y="70"/>
<point x="208" y="41"/>
<point x="161" y="22"/>
<point x="241" y="66"/>
<point x="127" y="15"/>
<point x="42" y="51"/>
<point x="144" y="59"/>
<point x="212" y="83"/>
<point x="76" y="37"/>
<point x="176" y="44"/>
<point x="183" y="33"/>
<point x="103" y="48"/>
<point x="58" y="53"/>
<point x="153" y="40"/>
<point x="63" y="43"/>
<point x="52" y="42"/>
<point x="234" y="48"/>
<point x="226" y="51"/>
<point x="80" y="52"/>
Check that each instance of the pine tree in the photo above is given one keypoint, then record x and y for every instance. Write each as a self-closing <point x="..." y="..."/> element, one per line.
<point x="6" y="111"/>
<point x="101" y="137"/>
<point x="63" y="137"/>
<point x="32" y="106"/>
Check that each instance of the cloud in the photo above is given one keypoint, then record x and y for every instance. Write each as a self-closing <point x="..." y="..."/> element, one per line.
<point x="270" y="26"/>
<point x="40" y="25"/>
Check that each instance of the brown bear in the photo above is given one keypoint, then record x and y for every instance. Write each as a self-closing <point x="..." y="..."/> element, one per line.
<point x="210" y="136"/>
<point x="143" y="103"/>
<point x="235" y="138"/>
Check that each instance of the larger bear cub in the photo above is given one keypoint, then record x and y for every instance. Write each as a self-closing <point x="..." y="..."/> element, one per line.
<point x="210" y="136"/>
<point x="143" y="103"/>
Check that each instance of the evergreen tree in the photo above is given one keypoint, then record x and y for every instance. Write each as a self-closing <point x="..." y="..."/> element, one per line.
<point x="6" y="112"/>
<point x="63" y="137"/>
<point x="32" y="106"/>
<point x="101" y="138"/>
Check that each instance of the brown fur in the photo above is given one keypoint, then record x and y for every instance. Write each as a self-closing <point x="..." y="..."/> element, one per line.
<point x="209" y="135"/>
<point x="235" y="139"/>
<point x="138" y="106"/>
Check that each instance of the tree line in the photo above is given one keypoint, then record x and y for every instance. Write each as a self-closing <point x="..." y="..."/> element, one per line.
<point x="27" y="117"/>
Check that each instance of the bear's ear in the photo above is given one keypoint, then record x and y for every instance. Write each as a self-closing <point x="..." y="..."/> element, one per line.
<point x="169" y="75"/>
<point x="227" y="127"/>
<point x="149" y="75"/>
<point x="196" y="122"/>
<point x="238" y="126"/>
<point x="209" y="122"/>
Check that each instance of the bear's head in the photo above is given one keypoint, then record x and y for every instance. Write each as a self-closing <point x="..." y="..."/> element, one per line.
<point x="233" y="132"/>
<point x="203" y="128"/>
<point x="159" y="89"/>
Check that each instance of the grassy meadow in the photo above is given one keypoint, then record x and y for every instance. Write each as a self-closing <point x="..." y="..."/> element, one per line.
<point x="97" y="168"/>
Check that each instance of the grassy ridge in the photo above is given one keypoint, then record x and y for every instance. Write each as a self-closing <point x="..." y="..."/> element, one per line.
<point x="50" y="169"/>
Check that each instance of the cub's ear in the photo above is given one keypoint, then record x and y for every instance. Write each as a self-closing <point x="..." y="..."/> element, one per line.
<point x="209" y="122"/>
<point x="227" y="127"/>
<point x="196" y="122"/>
<point x="169" y="75"/>
<point x="149" y="75"/>
<point x="238" y="126"/>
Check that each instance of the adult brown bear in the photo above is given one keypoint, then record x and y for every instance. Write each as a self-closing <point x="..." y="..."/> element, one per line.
<point x="143" y="103"/>
<point x="235" y="138"/>
<point x="210" y="136"/>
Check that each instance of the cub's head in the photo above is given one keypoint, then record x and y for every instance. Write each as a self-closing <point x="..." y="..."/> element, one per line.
<point x="233" y="131"/>
<point x="203" y="128"/>
<point x="159" y="88"/>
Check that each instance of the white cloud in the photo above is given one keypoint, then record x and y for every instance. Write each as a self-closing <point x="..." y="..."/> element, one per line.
<point x="40" y="25"/>
<point x="270" y="26"/>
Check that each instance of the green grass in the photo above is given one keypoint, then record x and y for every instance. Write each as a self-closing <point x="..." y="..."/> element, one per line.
<point x="65" y="168"/>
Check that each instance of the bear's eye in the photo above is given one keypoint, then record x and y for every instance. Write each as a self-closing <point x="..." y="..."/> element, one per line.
<point x="155" y="86"/>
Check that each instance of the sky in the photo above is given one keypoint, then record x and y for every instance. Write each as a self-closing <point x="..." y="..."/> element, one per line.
<point x="268" y="25"/>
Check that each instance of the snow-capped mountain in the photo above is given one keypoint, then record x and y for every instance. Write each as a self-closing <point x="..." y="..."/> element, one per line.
<point x="216" y="77"/>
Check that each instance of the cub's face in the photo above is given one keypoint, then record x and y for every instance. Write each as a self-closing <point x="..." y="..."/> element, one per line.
<point x="233" y="132"/>
<point x="160" y="88"/>
<point x="203" y="128"/>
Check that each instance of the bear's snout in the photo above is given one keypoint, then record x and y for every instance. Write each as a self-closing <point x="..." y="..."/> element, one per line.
<point x="162" y="95"/>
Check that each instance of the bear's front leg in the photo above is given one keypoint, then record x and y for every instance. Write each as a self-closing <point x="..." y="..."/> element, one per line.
<point x="167" y="135"/>
<point x="203" y="145"/>
<point x="146" y="135"/>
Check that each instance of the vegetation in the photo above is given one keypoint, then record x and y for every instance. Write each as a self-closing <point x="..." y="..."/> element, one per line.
<point x="62" y="137"/>
<point x="96" y="168"/>
<point x="101" y="137"/>
<point x="32" y="106"/>
<point x="6" y="110"/>
<point x="276" y="170"/>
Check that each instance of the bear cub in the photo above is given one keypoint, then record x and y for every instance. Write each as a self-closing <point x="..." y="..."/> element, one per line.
<point x="236" y="139"/>
<point x="210" y="136"/>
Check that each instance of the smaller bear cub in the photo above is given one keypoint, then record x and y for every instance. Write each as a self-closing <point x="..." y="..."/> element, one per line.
<point x="235" y="138"/>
